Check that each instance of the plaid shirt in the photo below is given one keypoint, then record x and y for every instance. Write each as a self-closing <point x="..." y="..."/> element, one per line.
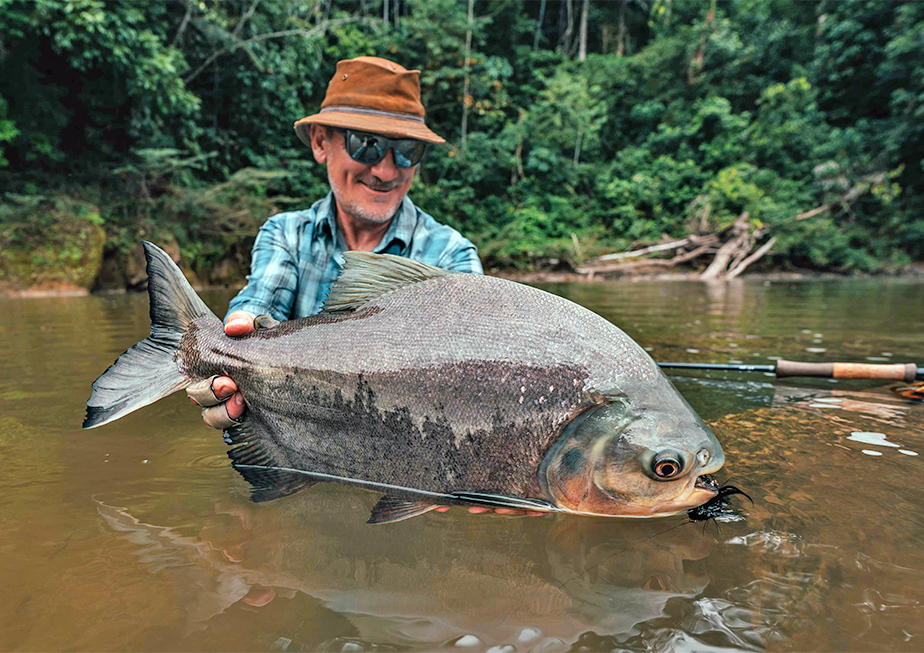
<point x="298" y="255"/>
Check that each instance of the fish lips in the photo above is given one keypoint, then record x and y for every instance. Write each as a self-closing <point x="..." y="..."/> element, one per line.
<point x="707" y="482"/>
<point x="705" y="489"/>
<point x="599" y="503"/>
<point x="700" y="490"/>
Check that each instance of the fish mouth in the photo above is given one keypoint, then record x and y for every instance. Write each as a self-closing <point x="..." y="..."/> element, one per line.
<point x="702" y="490"/>
<point x="695" y="494"/>
<point x="718" y="505"/>
<point x="707" y="482"/>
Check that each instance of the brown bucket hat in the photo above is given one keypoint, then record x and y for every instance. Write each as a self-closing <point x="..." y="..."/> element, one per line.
<point x="374" y="95"/>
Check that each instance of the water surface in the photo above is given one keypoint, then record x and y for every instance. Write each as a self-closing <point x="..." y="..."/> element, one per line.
<point x="140" y="536"/>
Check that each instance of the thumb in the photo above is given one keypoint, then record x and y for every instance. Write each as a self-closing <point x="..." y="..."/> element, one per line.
<point x="239" y="323"/>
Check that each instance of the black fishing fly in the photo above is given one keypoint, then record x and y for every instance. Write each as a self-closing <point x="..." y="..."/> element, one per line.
<point x="719" y="505"/>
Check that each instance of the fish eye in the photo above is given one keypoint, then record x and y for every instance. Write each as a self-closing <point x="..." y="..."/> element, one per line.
<point x="667" y="464"/>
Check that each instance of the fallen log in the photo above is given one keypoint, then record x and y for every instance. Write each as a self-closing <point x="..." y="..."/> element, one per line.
<point x="662" y="247"/>
<point x="627" y="266"/>
<point x="738" y="269"/>
<point x="730" y="249"/>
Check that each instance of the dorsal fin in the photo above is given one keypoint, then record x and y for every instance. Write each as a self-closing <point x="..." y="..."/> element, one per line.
<point x="368" y="276"/>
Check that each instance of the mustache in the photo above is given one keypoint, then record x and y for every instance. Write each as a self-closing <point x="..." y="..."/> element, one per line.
<point x="375" y="183"/>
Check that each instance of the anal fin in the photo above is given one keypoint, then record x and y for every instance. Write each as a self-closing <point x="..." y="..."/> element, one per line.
<point x="390" y="509"/>
<point x="252" y="460"/>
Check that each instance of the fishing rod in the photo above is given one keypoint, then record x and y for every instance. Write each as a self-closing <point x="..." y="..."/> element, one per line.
<point x="906" y="372"/>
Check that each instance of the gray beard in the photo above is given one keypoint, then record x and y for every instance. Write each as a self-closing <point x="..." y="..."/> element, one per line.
<point x="376" y="217"/>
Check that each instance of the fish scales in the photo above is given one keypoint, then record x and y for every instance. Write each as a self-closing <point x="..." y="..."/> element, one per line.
<point x="392" y="411"/>
<point x="437" y="387"/>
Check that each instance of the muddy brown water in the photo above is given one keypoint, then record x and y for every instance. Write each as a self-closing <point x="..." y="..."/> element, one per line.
<point x="139" y="535"/>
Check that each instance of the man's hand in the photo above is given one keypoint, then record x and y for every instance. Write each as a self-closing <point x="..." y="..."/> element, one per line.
<point x="239" y="323"/>
<point x="221" y="403"/>
<point x="512" y="512"/>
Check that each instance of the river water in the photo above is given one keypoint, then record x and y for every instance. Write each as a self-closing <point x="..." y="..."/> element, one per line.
<point x="139" y="536"/>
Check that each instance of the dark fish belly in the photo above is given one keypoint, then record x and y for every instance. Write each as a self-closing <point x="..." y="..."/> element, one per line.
<point x="473" y="426"/>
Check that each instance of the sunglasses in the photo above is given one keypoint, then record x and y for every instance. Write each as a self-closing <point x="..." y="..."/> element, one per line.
<point x="369" y="149"/>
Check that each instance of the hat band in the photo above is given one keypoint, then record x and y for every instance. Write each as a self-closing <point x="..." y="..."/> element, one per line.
<point x="373" y="112"/>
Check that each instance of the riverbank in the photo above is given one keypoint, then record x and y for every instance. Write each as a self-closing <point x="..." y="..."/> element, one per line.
<point x="633" y="276"/>
<point x="914" y="272"/>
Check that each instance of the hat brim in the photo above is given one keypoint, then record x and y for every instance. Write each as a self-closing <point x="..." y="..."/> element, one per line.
<point x="375" y="124"/>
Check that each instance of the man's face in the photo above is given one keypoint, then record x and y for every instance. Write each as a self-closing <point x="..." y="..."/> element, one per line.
<point x="365" y="193"/>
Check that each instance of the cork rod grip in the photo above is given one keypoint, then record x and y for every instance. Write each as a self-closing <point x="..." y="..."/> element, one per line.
<point x="896" y="372"/>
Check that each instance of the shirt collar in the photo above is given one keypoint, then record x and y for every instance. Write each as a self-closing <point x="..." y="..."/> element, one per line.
<point x="327" y="217"/>
<point x="401" y="227"/>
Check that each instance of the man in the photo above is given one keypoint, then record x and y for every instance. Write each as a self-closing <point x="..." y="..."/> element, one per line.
<point x="370" y="134"/>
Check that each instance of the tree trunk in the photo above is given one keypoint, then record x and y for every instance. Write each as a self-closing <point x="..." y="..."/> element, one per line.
<point x="176" y="39"/>
<point x="738" y="269"/>
<point x="577" y="245"/>
<point x="517" y="172"/>
<point x="621" y="35"/>
<point x="699" y="57"/>
<point x="582" y="51"/>
<point x="468" y="67"/>
<point x="569" y="28"/>
<point x="577" y="147"/>
<point x="539" y="22"/>
<point x="385" y="12"/>
<point x="730" y="249"/>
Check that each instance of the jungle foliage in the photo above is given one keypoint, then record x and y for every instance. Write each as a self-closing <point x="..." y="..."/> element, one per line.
<point x="587" y="126"/>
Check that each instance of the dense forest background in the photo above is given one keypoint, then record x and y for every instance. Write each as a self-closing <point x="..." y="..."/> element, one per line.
<point x="575" y="127"/>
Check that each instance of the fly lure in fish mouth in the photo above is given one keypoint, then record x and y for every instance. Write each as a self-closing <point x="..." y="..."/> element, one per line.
<point x="717" y="506"/>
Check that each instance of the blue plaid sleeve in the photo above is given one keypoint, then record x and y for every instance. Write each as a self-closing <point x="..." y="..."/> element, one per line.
<point x="461" y="255"/>
<point x="273" y="277"/>
<point x="441" y="245"/>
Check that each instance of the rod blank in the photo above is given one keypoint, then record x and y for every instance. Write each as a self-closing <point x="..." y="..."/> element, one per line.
<point x="906" y="372"/>
<point x="720" y="366"/>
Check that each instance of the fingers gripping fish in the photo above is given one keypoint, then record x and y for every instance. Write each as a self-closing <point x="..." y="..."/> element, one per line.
<point x="435" y="388"/>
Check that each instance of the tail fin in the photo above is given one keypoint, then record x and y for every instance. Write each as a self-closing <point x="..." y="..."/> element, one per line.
<point x="148" y="371"/>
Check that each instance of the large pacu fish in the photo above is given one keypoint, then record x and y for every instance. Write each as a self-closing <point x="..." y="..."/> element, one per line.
<point x="434" y="388"/>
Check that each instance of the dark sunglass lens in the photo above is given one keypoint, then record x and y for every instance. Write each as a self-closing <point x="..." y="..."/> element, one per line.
<point x="371" y="148"/>
<point x="408" y="153"/>
<point x="365" y="148"/>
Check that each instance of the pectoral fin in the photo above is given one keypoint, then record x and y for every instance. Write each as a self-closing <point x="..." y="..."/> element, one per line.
<point x="390" y="509"/>
<point x="253" y="460"/>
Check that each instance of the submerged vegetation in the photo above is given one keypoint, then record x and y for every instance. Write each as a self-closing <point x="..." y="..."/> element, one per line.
<point x="575" y="127"/>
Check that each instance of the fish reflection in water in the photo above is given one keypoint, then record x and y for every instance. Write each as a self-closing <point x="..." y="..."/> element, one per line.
<point x="556" y="579"/>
